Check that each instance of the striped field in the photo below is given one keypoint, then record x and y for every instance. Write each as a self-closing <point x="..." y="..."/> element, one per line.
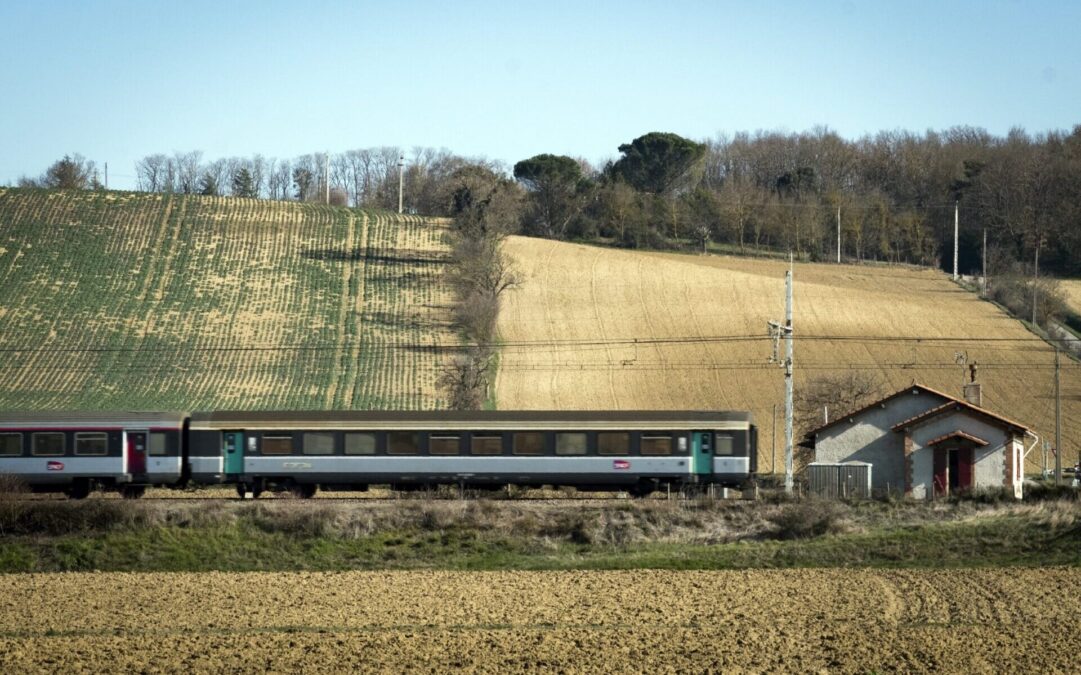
<point x="601" y="328"/>
<point x="120" y="300"/>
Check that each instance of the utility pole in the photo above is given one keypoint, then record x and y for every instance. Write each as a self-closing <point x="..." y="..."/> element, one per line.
<point x="838" y="234"/>
<point x="401" y="173"/>
<point x="776" y="331"/>
<point x="1035" y="282"/>
<point x="1058" y="426"/>
<point x="326" y="175"/>
<point x="984" y="272"/>
<point x="956" y="228"/>
<point x="788" y="389"/>
<point x="773" y="444"/>
<point x="106" y="175"/>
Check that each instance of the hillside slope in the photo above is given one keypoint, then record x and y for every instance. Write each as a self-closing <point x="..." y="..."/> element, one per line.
<point x="125" y="300"/>
<point x="570" y="332"/>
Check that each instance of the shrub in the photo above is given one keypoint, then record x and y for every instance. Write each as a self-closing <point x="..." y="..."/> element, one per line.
<point x="805" y="520"/>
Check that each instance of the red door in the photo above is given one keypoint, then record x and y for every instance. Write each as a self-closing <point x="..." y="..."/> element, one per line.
<point x="136" y="452"/>
<point x="964" y="468"/>
<point x="941" y="478"/>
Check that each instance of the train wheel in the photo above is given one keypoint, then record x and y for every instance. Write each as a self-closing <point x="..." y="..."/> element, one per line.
<point x="80" y="489"/>
<point x="132" y="491"/>
<point x="241" y="490"/>
<point x="302" y="490"/>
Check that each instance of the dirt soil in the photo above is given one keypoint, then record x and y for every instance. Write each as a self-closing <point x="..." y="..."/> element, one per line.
<point x="642" y="621"/>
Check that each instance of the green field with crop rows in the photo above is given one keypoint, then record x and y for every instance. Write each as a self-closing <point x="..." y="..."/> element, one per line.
<point x="113" y="300"/>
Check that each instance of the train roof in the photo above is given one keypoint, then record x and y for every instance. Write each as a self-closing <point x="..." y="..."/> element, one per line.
<point x="90" y="419"/>
<point x="472" y="419"/>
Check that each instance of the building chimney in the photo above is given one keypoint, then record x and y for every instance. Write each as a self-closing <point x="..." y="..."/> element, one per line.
<point x="973" y="394"/>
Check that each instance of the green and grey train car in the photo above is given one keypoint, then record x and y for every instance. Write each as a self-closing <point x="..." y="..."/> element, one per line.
<point x="77" y="452"/>
<point x="636" y="451"/>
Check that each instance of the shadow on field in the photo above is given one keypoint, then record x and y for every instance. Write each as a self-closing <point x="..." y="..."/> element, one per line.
<point x="407" y="320"/>
<point x="356" y="254"/>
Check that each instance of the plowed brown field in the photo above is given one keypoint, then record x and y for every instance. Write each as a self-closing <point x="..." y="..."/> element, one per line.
<point x="644" y="621"/>
<point x="570" y="332"/>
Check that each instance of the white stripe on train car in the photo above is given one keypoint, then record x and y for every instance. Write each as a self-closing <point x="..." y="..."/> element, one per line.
<point x="203" y="468"/>
<point x="61" y="470"/>
<point x="731" y="465"/>
<point x="381" y="464"/>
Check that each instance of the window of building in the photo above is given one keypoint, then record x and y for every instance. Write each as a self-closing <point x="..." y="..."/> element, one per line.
<point x="403" y="443"/>
<point x="656" y="444"/>
<point x="613" y="443"/>
<point x="278" y="445"/>
<point x="528" y="443"/>
<point x="486" y="444"/>
<point x="318" y="443"/>
<point x="444" y="444"/>
<point x="725" y="445"/>
<point x="91" y="443"/>
<point x="571" y="444"/>
<point x="360" y="444"/>
<point x="159" y="445"/>
<point x="11" y="445"/>
<point x="48" y="444"/>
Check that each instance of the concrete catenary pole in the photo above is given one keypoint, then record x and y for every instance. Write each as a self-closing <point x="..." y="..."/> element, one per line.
<point x="401" y="173"/>
<point x="983" y="273"/>
<point x="326" y="176"/>
<point x="1058" y="425"/>
<point x="1035" y="282"/>
<point x="838" y="234"/>
<point x="106" y="175"/>
<point x="789" y="481"/>
<point x="956" y="228"/>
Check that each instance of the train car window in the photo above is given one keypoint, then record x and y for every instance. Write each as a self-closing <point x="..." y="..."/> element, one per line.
<point x="656" y="444"/>
<point x="403" y="443"/>
<point x="528" y="443"/>
<point x="613" y="443"/>
<point x="360" y="444"/>
<point x="318" y="443"/>
<point x="724" y="445"/>
<point x="570" y="444"/>
<point x="47" y="444"/>
<point x="11" y="445"/>
<point x="278" y="445"/>
<point x="95" y="443"/>
<point x="158" y="445"/>
<point x="486" y="444"/>
<point x="444" y="445"/>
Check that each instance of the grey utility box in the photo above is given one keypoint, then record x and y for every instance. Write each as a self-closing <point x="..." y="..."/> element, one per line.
<point x="848" y="480"/>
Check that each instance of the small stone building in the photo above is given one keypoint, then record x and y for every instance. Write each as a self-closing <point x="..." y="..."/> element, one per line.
<point x="927" y="444"/>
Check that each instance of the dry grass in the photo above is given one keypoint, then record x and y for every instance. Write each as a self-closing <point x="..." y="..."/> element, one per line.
<point x="574" y="292"/>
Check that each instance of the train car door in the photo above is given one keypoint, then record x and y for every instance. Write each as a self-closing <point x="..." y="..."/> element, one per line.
<point x="233" y="451"/>
<point x="135" y="451"/>
<point x="702" y="453"/>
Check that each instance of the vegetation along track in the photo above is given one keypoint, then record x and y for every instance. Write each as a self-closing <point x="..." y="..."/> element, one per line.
<point x="112" y="300"/>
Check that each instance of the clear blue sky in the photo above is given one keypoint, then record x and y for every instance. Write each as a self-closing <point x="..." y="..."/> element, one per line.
<point x="117" y="80"/>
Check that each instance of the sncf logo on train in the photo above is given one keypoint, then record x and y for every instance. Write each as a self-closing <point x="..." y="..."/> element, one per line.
<point x="620" y="464"/>
<point x="55" y="466"/>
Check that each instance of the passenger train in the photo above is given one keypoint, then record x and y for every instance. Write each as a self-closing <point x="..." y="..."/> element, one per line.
<point x="303" y="451"/>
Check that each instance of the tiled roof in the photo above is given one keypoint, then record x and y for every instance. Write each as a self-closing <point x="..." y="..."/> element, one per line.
<point x="957" y="404"/>
<point x="958" y="434"/>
